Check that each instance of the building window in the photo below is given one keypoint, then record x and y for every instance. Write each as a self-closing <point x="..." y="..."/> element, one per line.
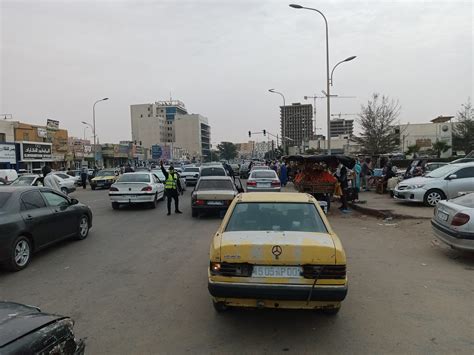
<point x="3" y="137"/>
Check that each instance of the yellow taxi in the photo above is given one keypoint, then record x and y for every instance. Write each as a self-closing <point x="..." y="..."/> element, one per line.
<point x="277" y="250"/>
<point x="104" y="179"/>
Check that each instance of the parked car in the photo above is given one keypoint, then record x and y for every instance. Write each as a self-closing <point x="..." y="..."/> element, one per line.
<point x="28" y="180"/>
<point x="33" y="218"/>
<point x="26" y="330"/>
<point x="138" y="187"/>
<point x="453" y="222"/>
<point x="104" y="179"/>
<point x="433" y="166"/>
<point x="8" y="175"/>
<point x="215" y="170"/>
<point x="440" y="184"/>
<point x="277" y="250"/>
<point x="190" y="175"/>
<point x="263" y="180"/>
<point x="213" y="193"/>
<point x="67" y="183"/>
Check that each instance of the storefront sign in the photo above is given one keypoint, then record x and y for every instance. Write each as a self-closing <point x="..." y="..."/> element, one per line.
<point x="7" y="153"/>
<point x="42" y="132"/>
<point x="156" y="152"/>
<point x="52" y="124"/>
<point x="35" y="151"/>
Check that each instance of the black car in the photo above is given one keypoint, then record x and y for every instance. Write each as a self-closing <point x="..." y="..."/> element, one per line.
<point x="27" y="330"/>
<point x="32" y="218"/>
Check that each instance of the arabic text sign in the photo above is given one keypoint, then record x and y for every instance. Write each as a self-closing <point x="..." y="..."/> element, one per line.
<point x="36" y="151"/>
<point x="7" y="153"/>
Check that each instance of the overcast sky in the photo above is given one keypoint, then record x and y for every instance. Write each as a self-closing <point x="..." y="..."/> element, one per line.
<point x="220" y="57"/>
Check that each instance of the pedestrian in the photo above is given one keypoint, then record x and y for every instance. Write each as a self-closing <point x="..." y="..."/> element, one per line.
<point x="365" y="173"/>
<point x="49" y="180"/>
<point x="172" y="187"/>
<point x="84" y="176"/>
<point x="283" y="174"/>
<point x="128" y="169"/>
<point x="342" y="177"/>
<point x="357" y="171"/>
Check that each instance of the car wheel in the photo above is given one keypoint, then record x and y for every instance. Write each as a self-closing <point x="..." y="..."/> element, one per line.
<point x="220" y="307"/>
<point x="331" y="311"/>
<point x="115" y="205"/>
<point x="432" y="197"/>
<point x="194" y="213"/>
<point x="64" y="190"/>
<point x="20" y="254"/>
<point x="83" y="228"/>
<point x="155" y="201"/>
<point x="92" y="187"/>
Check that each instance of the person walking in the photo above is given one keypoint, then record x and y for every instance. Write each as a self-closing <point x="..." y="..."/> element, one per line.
<point x="49" y="180"/>
<point x="172" y="187"/>
<point x="357" y="178"/>
<point x="342" y="177"/>
<point x="84" y="176"/>
<point x="283" y="174"/>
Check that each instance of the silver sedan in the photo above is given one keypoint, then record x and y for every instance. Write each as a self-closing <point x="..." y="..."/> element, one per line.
<point x="262" y="181"/>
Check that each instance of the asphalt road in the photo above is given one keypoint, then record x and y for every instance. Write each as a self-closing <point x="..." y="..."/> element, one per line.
<point x="138" y="284"/>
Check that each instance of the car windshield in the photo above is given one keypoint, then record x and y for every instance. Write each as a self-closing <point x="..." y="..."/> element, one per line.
<point x="273" y="216"/>
<point x="263" y="174"/>
<point x="160" y="174"/>
<point x="215" y="185"/>
<point x="191" y="170"/>
<point x="441" y="172"/>
<point x="135" y="178"/>
<point x="24" y="181"/>
<point x="4" y="196"/>
<point x="106" y="173"/>
<point x="464" y="200"/>
<point x="213" y="172"/>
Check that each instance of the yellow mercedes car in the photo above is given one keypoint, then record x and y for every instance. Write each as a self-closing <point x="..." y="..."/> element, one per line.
<point x="104" y="179"/>
<point x="277" y="250"/>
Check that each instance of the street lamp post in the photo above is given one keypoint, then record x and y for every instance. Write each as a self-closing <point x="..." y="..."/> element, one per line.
<point x="283" y="133"/>
<point x="93" y="129"/>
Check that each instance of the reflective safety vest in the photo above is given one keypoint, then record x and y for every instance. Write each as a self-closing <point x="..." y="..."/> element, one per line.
<point x="170" y="182"/>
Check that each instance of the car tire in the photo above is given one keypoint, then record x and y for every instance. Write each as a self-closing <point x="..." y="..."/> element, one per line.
<point x="155" y="201"/>
<point x="20" y="255"/>
<point x="115" y="205"/>
<point x="220" y="307"/>
<point x="92" y="187"/>
<point x="64" y="190"/>
<point x="194" y="213"/>
<point x="330" y="311"/>
<point x="433" y="196"/>
<point x="82" y="228"/>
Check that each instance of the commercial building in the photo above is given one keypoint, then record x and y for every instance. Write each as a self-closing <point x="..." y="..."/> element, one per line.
<point x="80" y="153"/>
<point x="341" y="144"/>
<point x="193" y="134"/>
<point x="245" y="150"/>
<point x="7" y="145"/>
<point x="154" y="123"/>
<point x="342" y="126"/>
<point x="296" y="123"/>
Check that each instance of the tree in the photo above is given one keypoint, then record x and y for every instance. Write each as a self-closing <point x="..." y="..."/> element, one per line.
<point x="376" y="121"/>
<point x="227" y="150"/>
<point x="412" y="149"/>
<point x="213" y="156"/>
<point x="440" y="147"/>
<point x="463" y="128"/>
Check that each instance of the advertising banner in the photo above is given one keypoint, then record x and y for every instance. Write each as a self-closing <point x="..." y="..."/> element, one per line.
<point x="156" y="152"/>
<point x="42" y="132"/>
<point x="7" y="153"/>
<point x="36" y="151"/>
<point x="52" y="124"/>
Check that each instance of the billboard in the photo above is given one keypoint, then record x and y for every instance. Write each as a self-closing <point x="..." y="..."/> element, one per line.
<point x="156" y="152"/>
<point x="7" y="153"/>
<point x="52" y="124"/>
<point x="36" y="151"/>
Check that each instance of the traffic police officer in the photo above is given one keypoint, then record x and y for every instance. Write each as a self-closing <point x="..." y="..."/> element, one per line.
<point x="172" y="187"/>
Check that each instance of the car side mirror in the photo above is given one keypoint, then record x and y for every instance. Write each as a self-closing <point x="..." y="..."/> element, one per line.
<point x="74" y="201"/>
<point x="452" y="177"/>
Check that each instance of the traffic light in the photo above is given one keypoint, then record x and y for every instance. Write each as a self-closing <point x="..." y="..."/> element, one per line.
<point x="264" y="132"/>
<point x="250" y="134"/>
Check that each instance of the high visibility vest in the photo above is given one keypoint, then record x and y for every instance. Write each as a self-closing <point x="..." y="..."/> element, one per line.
<point x="170" y="182"/>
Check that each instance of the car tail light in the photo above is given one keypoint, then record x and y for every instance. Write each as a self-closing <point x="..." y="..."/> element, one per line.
<point x="460" y="219"/>
<point x="112" y="188"/>
<point x="147" y="188"/>
<point x="251" y="183"/>
<point x="231" y="269"/>
<point x="199" y="202"/>
<point x="324" y="272"/>
<point x="276" y="183"/>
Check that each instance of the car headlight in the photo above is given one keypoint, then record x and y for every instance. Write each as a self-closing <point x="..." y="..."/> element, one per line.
<point x="412" y="187"/>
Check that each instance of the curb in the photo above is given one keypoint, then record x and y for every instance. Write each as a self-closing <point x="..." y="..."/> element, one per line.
<point x="383" y="213"/>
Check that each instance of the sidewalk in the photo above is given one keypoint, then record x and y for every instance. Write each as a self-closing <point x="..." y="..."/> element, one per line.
<point x="385" y="206"/>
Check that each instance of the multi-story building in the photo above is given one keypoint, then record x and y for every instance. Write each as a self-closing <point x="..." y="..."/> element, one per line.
<point x="296" y="123"/>
<point x="154" y="123"/>
<point x="261" y="148"/>
<point x="341" y="126"/>
<point x="193" y="134"/>
<point x="245" y="150"/>
<point x="81" y="153"/>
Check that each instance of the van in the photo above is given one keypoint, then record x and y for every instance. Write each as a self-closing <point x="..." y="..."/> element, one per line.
<point x="8" y="175"/>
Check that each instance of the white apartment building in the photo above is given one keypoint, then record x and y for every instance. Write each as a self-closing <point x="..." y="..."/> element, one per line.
<point x="193" y="134"/>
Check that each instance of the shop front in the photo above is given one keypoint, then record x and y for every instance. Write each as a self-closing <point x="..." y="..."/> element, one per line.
<point x="32" y="156"/>
<point x="7" y="156"/>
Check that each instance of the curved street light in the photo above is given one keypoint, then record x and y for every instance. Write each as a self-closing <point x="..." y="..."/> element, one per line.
<point x="93" y="129"/>
<point x="283" y="133"/>
<point x="342" y="61"/>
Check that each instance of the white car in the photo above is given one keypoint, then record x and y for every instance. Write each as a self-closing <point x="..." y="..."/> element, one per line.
<point x="440" y="184"/>
<point x="140" y="187"/>
<point x="66" y="182"/>
<point x="453" y="222"/>
<point x="190" y="175"/>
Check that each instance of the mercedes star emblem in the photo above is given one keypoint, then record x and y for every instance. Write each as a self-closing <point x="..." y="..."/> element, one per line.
<point x="276" y="250"/>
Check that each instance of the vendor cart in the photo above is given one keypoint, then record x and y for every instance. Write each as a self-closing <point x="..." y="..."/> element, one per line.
<point x="314" y="174"/>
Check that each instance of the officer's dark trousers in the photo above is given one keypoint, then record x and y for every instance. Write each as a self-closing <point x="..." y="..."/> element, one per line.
<point x="172" y="194"/>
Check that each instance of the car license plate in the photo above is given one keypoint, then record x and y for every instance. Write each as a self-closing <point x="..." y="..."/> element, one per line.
<point x="100" y="184"/>
<point x="277" y="271"/>
<point x="215" y="203"/>
<point x="442" y="216"/>
<point x="263" y="184"/>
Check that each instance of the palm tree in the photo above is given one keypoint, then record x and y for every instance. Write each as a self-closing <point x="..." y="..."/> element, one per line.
<point x="412" y="149"/>
<point x="440" y="147"/>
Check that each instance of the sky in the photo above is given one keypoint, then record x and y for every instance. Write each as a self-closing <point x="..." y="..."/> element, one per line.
<point x="220" y="57"/>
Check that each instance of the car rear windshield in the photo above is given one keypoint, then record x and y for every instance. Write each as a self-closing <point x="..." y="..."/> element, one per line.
<point x="135" y="178"/>
<point x="215" y="185"/>
<point x="4" y="196"/>
<point x="266" y="216"/>
<point x="263" y="174"/>
<point x="465" y="200"/>
<point x="213" y="172"/>
<point x="191" y="170"/>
